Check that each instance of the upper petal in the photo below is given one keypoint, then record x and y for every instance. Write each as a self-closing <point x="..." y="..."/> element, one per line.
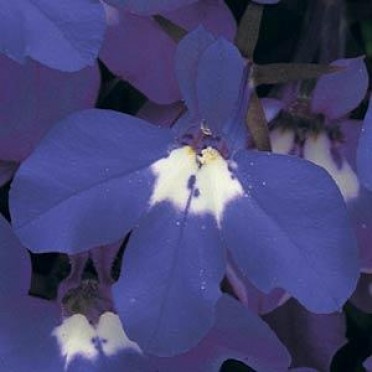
<point x="87" y="182"/>
<point x="218" y="83"/>
<point x="338" y="93"/>
<point x="188" y="55"/>
<point x="286" y="232"/>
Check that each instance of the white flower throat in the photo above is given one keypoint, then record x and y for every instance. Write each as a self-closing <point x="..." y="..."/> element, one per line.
<point x="77" y="337"/>
<point x="317" y="149"/>
<point x="201" y="181"/>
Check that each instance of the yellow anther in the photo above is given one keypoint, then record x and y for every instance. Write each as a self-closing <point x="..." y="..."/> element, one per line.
<point x="208" y="155"/>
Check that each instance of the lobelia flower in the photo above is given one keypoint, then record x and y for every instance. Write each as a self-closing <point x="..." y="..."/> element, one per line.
<point x="248" y="295"/>
<point x="36" y="336"/>
<point x="189" y="194"/>
<point x="82" y="332"/>
<point x="317" y="128"/>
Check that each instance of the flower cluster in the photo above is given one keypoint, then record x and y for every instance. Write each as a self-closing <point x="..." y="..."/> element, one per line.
<point x="216" y="222"/>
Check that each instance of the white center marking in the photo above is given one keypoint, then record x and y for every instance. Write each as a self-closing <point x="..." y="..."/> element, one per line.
<point x="213" y="184"/>
<point x="111" y="330"/>
<point x="318" y="150"/>
<point x="77" y="337"/>
<point x="282" y="141"/>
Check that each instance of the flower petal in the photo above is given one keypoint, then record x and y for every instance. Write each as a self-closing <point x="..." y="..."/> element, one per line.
<point x="250" y="296"/>
<point x="26" y="340"/>
<point x="63" y="35"/>
<point x="87" y="182"/>
<point x="214" y="15"/>
<point x="291" y="234"/>
<point x="337" y="94"/>
<point x="34" y="88"/>
<point x="218" y="83"/>
<point x="188" y="55"/>
<point x="236" y="334"/>
<point x="170" y="307"/>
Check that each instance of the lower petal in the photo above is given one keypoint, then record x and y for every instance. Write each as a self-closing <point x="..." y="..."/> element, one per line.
<point x="288" y="233"/>
<point x="169" y="307"/>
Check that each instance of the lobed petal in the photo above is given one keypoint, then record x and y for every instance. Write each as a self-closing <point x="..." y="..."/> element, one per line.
<point x="188" y="55"/>
<point x="338" y="93"/>
<point x="169" y="308"/>
<point x="218" y="84"/>
<point x="87" y="183"/>
<point x="288" y="233"/>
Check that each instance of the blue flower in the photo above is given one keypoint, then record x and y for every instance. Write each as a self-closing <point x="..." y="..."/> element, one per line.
<point x="317" y="127"/>
<point x="189" y="194"/>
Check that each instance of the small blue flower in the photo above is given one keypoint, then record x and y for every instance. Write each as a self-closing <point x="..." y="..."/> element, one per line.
<point x="189" y="194"/>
